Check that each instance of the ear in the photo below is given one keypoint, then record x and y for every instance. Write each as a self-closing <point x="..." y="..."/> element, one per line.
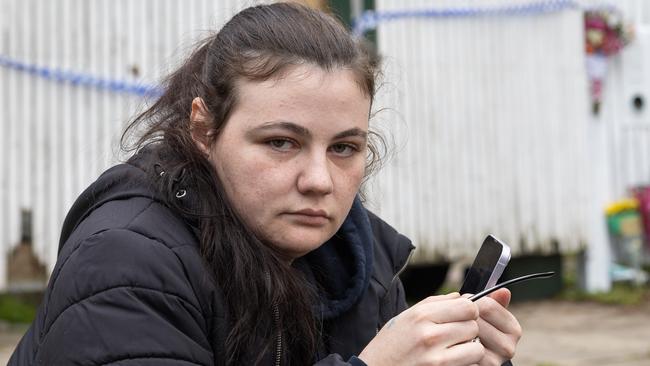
<point x="200" y="125"/>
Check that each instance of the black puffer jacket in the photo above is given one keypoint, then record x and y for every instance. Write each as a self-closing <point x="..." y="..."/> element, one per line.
<point x="130" y="287"/>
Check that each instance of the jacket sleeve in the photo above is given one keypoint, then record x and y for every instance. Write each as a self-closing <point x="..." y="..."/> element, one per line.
<point x="394" y="303"/>
<point x="400" y="297"/>
<point x="120" y="298"/>
<point x="336" y="360"/>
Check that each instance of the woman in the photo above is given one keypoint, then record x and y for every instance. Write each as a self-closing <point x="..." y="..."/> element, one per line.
<point x="235" y="234"/>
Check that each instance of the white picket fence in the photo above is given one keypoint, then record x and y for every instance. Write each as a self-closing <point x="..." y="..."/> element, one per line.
<point x="489" y="117"/>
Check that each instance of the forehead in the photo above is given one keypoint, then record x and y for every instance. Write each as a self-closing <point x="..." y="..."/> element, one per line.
<point x="304" y="94"/>
<point x="302" y="80"/>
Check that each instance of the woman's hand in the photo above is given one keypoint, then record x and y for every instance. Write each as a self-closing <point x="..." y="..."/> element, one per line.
<point x="499" y="330"/>
<point x="435" y="331"/>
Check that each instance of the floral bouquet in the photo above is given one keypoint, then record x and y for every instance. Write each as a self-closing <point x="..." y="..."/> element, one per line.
<point x="605" y="35"/>
<point x="605" y="32"/>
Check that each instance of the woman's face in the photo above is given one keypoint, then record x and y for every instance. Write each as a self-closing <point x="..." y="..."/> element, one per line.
<point x="292" y="155"/>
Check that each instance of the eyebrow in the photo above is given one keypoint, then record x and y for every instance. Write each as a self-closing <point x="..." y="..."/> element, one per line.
<point x="295" y="128"/>
<point x="302" y="131"/>
<point x="353" y="132"/>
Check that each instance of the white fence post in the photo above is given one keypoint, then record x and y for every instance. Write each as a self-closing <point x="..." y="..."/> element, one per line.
<point x="598" y="256"/>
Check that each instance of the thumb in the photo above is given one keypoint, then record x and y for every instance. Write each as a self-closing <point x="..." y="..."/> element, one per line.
<point x="502" y="296"/>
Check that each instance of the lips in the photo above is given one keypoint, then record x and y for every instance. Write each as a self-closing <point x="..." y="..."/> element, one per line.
<point x="312" y="212"/>
<point x="310" y="217"/>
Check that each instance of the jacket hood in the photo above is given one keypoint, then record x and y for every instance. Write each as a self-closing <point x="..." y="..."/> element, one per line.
<point x="341" y="268"/>
<point x="343" y="265"/>
<point x="120" y="182"/>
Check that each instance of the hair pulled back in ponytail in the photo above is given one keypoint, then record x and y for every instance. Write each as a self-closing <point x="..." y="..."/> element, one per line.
<point x="265" y="296"/>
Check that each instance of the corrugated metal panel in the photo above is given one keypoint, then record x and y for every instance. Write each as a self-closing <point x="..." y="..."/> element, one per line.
<point x="58" y="137"/>
<point x="492" y="135"/>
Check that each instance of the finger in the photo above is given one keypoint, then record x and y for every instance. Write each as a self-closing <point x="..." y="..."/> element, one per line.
<point x="494" y="313"/>
<point x="442" y="336"/>
<point x="491" y="359"/>
<point x="447" y="311"/>
<point x="461" y="354"/>
<point x="452" y="295"/>
<point x="499" y="343"/>
<point x="502" y="296"/>
<point x="461" y="332"/>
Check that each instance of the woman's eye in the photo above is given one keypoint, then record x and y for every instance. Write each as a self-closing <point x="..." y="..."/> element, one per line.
<point x="344" y="149"/>
<point x="280" y="144"/>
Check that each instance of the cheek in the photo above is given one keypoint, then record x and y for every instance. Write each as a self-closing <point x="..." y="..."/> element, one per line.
<point x="352" y="177"/>
<point x="249" y="181"/>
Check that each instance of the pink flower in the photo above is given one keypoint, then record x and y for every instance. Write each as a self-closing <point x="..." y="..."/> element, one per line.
<point x="595" y="21"/>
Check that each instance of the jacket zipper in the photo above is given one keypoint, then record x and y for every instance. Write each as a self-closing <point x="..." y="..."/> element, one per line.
<point x="278" y="343"/>
<point x="406" y="263"/>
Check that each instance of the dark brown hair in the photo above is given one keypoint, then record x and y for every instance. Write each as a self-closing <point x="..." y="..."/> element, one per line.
<point x="265" y="296"/>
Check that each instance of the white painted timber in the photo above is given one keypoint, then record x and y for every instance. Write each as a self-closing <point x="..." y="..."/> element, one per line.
<point x="57" y="138"/>
<point x="492" y="130"/>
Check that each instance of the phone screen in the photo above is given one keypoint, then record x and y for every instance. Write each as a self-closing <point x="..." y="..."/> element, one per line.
<point x="488" y="264"/>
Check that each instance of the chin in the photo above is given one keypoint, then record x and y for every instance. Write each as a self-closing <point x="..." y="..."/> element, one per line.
<point x="300" y="245"/>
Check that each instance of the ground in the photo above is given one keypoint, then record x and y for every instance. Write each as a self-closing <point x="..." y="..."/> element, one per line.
<point x="556" y="333"/>
<point x="559" y="333"/>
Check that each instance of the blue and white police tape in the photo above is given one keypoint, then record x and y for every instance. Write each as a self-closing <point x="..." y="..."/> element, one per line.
<point x="80" y="79"/>
<point x="367" y="21"/>
<point x="370" y="19"/>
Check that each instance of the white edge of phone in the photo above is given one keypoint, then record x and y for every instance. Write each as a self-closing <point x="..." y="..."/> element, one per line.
<point x="501" y="264"/>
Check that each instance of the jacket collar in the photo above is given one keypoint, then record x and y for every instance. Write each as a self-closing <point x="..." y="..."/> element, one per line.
<point x="342" y="267"/>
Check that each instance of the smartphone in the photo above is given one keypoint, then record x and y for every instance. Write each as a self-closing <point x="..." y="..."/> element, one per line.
<point x="488" y="266"/>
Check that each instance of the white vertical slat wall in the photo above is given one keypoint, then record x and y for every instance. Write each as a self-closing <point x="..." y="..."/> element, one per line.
<point x="490" y="129"/>
<point x="628" y="129"/>
<point x="57" y="137"/>
<point x="488" y="116"/>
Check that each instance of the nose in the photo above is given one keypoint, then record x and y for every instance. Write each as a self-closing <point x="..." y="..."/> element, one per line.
<point x="315" y="176"/>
